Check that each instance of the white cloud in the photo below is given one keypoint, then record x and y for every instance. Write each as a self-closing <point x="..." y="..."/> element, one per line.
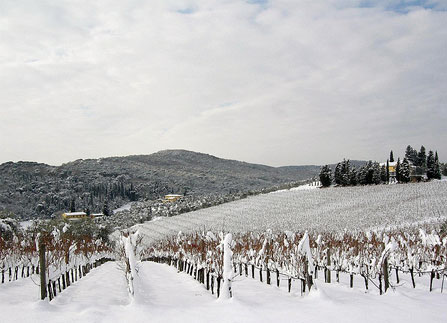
<point x="279" y="82"/>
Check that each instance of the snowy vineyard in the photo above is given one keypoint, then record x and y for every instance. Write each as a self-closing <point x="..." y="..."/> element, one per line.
<point x="375" y="237"/>
<point x="64" y="257"/>
<point x="331" y="209"/>
<point x="373" y="256"/>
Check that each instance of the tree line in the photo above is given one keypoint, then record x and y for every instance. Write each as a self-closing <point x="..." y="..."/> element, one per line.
<point x="414" y="163"/>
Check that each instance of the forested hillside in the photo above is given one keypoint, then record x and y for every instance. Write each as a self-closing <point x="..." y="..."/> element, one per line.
<point x="32" y="190"/>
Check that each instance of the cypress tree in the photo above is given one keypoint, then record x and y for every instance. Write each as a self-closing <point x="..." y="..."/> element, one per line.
<point x="391" y="156"/>
<point x="431" y="165"/>
<point x="105" y="209"/>
<point x="437" y="167"/>
<point x="398" y="170"/>
<point x="73" y="205"/>
<point x="422" y="158"/>
<point x="388" y="171"/>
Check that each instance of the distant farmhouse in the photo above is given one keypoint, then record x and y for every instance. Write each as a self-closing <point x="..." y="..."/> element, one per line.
<point x="417" y="174"/>
<point x="80" y="215"/>
<point x="172" y="197"/>
<point x="392" y="170"/>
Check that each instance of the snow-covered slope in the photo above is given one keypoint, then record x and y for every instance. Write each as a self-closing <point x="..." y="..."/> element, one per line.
<point x="331" y="209"/>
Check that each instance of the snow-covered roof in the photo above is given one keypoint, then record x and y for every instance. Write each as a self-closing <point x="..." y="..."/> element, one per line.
<point x="392" y="164"/>
<point x="75" y="213"/>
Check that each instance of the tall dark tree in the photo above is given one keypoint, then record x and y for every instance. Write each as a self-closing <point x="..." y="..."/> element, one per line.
<point x="338" y="174"/>
<point x="73" y="205"/>
<point x="353" y="177"/>
<point x="411" y="155"/>
<point x="376" y="177"/>
<point x="91" y="203"/>
<point x="405" y="171"/>
<point x="370" y="174"/>
<point x="326" y="176"/>
<point x="388" y="171"/>
<point x="362" y="175"/>
<point x="391" y="157"/>
<point x="105" y="208"/>
<point x="431" y="165"/>
<point x="345" y="172"/>
<point x="422" y="158"/>
<point x="383" y="173"/>
<point x="437" y="167"/>
<point x="398" y="170"/>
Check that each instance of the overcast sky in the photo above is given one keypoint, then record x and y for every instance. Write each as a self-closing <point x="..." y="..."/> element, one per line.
<point x="273" y="82"/>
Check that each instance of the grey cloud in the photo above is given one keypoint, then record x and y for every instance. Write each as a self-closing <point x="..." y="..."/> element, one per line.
<point x="280" y="82"/>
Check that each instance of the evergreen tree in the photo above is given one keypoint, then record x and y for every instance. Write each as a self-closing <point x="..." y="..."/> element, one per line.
<point x="422" y="158"/>
<point x="391" y="157"/>
<point x="91" y="203"/>
<point x="376" y="178"/>
<point x="431" y="165"/>
<point x="353" y="177"/>
<point x="383" y="174"/>
<point x="337" y="174"/>
<point x="369" y="173"/>
<point x="411" y="155"/>
<point x="345" y="170"/>
<point x="362" y="175"/>
<point x="405" y="171"/>
<point x="105" y="208"/>
<point x="388" y="171"/>
<point x="437" y="167"/>
<point x="398" y="170"/>
<point x="326" y="176"/>
<point x="73" y="205"/>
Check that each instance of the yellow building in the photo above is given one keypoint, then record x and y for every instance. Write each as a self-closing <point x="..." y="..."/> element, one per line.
<point x="391" y="170"/>
<point x="74" y="215"/>
<point x="172" y="197"/>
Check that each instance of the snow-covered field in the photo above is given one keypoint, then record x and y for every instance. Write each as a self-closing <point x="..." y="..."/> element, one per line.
<point x="331" y="209"/>
<point x="163" y="295"/>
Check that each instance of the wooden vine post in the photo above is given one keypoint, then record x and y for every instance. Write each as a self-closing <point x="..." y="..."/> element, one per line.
<point x="385" y="274"/>
<point x="432" y="276"/>
<point x="328" y="265"/>
<point x="43" y="278"/>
